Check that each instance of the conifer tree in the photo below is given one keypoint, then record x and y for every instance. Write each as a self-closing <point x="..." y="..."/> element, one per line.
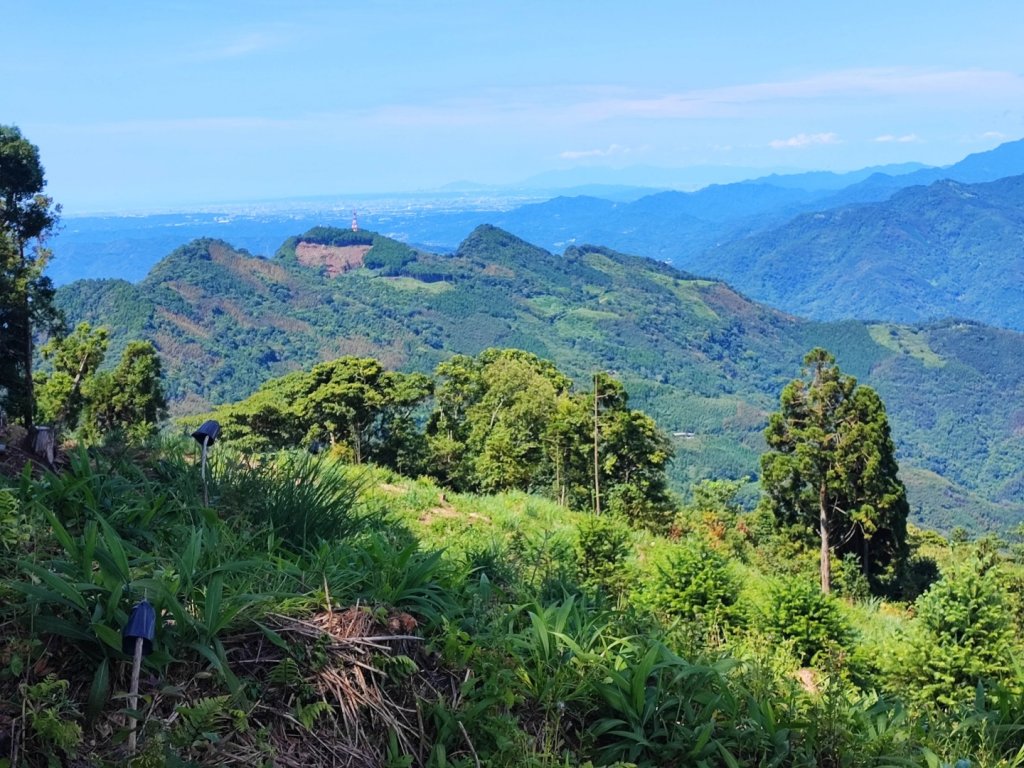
<point x="832" y="466"/>
<point x="27" y="216"/>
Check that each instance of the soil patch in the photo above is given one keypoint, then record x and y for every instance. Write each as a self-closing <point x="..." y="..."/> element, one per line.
<point x="335" y="259"/>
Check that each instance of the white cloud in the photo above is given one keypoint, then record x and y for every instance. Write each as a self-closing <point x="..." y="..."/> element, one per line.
<point x="887" y="138"/>
<point x="805" y="140"/>
<point x="739" y="100"/>
<point x="580" y="154"/>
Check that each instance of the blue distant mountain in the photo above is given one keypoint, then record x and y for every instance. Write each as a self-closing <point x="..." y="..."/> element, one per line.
<point x="948" y="249"/>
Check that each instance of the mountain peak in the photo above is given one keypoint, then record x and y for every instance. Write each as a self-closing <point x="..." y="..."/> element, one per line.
<point x="498" y="244"/>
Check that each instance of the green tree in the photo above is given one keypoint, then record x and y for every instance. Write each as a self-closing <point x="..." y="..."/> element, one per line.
<point x="568" y="445"/>
<point x="73" y="359"/>
<point x="351" y="402"/>
<point x="507" y="419"/>
<point x="459" y="387"/>
<point x="353" y="399"/>
<point x="507" y="423"/>
<point x="487" y="430"/>
<point x="831" y="465"/>
<point x="715" y="509"/>
<point x="797" y="612"/>
<point x="634" y="456"/>
<point x="693" y="582"/>
<point x="27" y="216"/>
<point x="130" y="398"/>
<point x="267" y="419"/>
<point x="961" y="635"/>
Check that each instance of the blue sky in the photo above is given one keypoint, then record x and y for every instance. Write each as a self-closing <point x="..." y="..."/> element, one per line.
<point x="137" y="105"/>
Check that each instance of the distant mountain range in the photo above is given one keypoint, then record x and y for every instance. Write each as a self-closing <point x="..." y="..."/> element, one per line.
<point x="885" y="244"/>
<point x="706" y="362"/>
<point x="946" y="250"/>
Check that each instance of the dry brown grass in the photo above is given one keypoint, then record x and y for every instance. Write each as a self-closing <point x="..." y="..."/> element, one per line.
<point x="338" y="658"/>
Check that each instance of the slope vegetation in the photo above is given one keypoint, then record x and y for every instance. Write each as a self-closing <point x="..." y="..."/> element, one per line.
<point x="948" y="249"/>
<point x="705" y="361"/>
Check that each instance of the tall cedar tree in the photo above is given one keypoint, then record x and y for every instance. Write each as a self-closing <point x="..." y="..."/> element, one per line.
<point x="26" y="296"/>
<point x="831" y="465"/>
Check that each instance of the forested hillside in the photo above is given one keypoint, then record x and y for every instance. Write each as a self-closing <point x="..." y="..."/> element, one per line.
<point x="946" y="250"/>
<point x="706" y="362"/>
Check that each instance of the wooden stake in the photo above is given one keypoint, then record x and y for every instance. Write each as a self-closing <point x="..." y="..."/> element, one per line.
<point x="133" y="694"/>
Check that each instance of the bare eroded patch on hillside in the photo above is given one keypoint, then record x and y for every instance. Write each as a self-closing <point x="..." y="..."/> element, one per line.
<point x="335" y="258"/>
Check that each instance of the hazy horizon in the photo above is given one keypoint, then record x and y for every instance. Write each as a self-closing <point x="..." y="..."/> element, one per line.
<point x="138" y="107"/>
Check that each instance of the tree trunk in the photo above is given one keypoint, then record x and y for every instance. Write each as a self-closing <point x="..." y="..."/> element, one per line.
<point x="28" y="413"/>
<point x="357" y="444"/>
<point x="43" y="443"/>
<point x="597" y="465"/>
<point x="30" y="395"/>
<point x="826" y="562"/>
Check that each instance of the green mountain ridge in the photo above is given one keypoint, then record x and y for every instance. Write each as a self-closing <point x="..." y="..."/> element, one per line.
<point x="701" y="358"/>
<point x="949" y="248"/>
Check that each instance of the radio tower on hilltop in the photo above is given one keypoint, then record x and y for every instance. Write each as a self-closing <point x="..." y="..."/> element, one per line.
<point x="355" y="222"/>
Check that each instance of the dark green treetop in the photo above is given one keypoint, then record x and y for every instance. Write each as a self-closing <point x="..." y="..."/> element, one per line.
<point x="26" y="295"/>
<point x="831" y="466"/>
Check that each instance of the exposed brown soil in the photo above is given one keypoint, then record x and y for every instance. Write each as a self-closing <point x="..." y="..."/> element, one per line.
<point x="334" y="258"/>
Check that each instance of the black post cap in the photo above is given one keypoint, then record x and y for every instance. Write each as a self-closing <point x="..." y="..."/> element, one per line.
<point x="208" y="432"/>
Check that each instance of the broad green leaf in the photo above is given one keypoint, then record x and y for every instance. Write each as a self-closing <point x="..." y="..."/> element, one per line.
<point x="99" y="691"/>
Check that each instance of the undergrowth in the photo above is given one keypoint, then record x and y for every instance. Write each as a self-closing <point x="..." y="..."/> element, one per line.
<point x="319" y="614"/>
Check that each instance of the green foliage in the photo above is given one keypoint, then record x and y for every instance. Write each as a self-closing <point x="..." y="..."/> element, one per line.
<point x="26" y="295"/>
<point x="795" y="612"/>
<point x="601" y="552"/>
<point x="351" y="403"/>
<point x="335" y="236"/>
<point x="831" y="466"/>
<point x="693" y="584"/>
<point x="659" y="709"/>
<point x="636" y="454"/>
<point x="848" y="578"/>
<point x="556" y="651"/>
<point x="489" y="419"/>
<point x="73" y="359"/>
<point x="961" y="637"/>
<point x="303" y="499"/>
<point x="409" y="577"/>
<point x="715" y="512"/>
<point x="316" y="610"/>
<point x="15" y="529"/>
<point x="129" y="400"/>
<point x="52" y="730"/>
<point x="509" y="420"/>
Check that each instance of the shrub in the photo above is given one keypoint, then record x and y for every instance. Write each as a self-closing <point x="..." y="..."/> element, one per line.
<point x="848" y="579"/>
<point x="798" y="612"/>
<point x="601" y="552"/>
<point x="693" y="583"/>
<point x="304" y="499"/>
<point x="961" y="636"/>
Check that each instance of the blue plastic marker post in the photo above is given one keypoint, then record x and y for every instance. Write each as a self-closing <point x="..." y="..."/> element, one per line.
<point x="137" y="639"/>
